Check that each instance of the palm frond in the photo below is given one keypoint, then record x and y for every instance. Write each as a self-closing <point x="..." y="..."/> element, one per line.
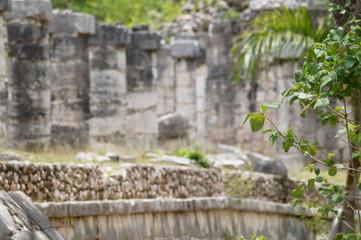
<point x="271" y="33"/>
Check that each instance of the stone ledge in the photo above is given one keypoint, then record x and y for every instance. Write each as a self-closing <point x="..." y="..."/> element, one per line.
<point x="144" y="40"/>
<point x="185" y="49"/>
<point x="70" y="22"/>
<point x="91" y="208"/>
<point x="37" y="9"/>
<point x="109" y="34"/>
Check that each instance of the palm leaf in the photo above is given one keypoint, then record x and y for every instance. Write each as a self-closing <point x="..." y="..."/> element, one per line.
<point x="270" y="33"/>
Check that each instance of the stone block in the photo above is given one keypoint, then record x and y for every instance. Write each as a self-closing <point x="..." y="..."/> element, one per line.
<point x="75" y="136"/>
<point x="29" y="104"/>
<point x="140" y="80"/>
<point x="103" y="126"/>
<point x="142" y="100"/>
<point x="145" y="40"/>
<point x="172" y="125"/>
<point x="69" y="48"/>
<point x="142" y="123"/>
<point x="220" y="26"/>
<point x="106" y="58"/>
<point x="109" y="82"/>
<point x="185" y="95"/>
<point x="29" y="75"/>
<point x="5" y="5"/>
<point x="185" y="79"/>
<point x="138" y="58"/>
<point x="69" y="22"/>
<point x="26" y="33"/>
<point x="40" y="10"/>
<point x="70" y="75"/>
<point x="109" y="34"/>
<point x="28" y="131"/>
<point x="29" y="52"/>
<point x="185" y="49"/>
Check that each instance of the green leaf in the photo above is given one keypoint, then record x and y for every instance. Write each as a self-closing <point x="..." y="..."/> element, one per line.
<point x="359" y="186"/>
<point x="286" y="146"/>
<point x="348" y="2"/>
<point x="298" y="75"/>
<point x="333" y="6"/>
<point x="349" y="61"/>
<point x="273" y="138"/>
<point x="325" y="190"/>
<point x="248" y="116"/>
<point x="267" y="106"/>
<point x="339" y="166"/>
<point x="304" y="95"/>
<point x="336" y="198"/>
<point x="332" y="171"/>
<point x="297" y="193"/>
<point x="322" y="102"/>
<point x="329" y="162"/>
<point x="317" y="171"/>
<point x="257" y="122"/>
<point x="319" y="179"/>
<point x="336" y="34"/>
<point x="311" y="185"/>
<point x="312" y="150"/>
<point x="350" y="19"/>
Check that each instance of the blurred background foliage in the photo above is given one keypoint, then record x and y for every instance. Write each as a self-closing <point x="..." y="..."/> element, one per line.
<point x="130" y="12"/>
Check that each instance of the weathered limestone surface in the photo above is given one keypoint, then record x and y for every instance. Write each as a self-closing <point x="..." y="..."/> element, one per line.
<point x="70" y="79"/>
<point x="4" y="6"/>
<point x="195" y="218"/>
<point x="28" y="112"/>
<point x="21" y="219"/>
<point x="108" y="84"/>
<point x="142" y="76"/>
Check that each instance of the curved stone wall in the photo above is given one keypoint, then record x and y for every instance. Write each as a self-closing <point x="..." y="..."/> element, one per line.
<point x="197" y="218"/>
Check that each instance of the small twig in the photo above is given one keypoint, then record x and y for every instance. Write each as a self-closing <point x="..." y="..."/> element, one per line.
<point x="304" y="152"/>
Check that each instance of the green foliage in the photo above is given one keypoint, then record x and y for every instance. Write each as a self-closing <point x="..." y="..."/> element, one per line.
<point x="269" y="32"/>
<point x="331" y="73"/>
<point x="230" y="236"/>
<point x="195" y="153"/>
<point x="135" y="12"/>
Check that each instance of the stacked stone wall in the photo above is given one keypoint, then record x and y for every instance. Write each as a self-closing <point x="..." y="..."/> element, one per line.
<point x="71" y="182"/>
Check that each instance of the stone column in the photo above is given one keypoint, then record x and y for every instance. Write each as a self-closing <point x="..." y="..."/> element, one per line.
<point x="189" y="74"/>
<point x="220" y="88"/>
<point x="28" y="112"/>
<point x="108" y="84"/>
<point x="4" y="6"/>
<point x="166" y="83"/>
<point x="142" y="125"/>
<point x="70" y="81"/>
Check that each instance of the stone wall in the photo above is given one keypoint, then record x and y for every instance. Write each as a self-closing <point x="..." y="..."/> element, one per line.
<point x="110" y="84"/>
<point x="71" y="182"/>
<point x="196" y="218"/>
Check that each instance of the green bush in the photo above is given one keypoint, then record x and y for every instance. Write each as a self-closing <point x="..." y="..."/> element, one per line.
<point x="194" y="153"/>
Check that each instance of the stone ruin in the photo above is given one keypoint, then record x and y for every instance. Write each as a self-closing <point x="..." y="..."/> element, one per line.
<point x="71" y="80"/>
